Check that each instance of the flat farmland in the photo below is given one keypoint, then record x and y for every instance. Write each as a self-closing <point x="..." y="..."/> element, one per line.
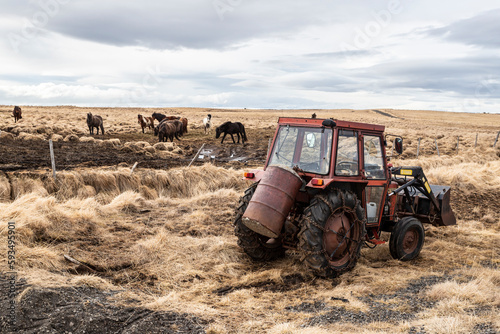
<point x="155" y="248"/>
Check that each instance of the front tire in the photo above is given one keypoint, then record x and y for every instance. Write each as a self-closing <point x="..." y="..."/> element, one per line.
<point x="332" y="233"/>
<point x="407" y="239"/>
<point x="257" y="246"/>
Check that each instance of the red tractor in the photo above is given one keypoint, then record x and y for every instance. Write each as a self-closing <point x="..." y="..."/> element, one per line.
<point x="326" y="189"/>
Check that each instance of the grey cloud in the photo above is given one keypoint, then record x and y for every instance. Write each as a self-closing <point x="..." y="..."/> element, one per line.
<point x="343" y="54"/>
<point x="462" y="76"/>
<point x="177" y="24"/>
<point x="34" y="79"/>
<point x="481" y="30"/>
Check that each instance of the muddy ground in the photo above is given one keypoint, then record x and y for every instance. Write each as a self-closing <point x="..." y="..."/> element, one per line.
<point x="89" y="310"/>
<point x="17" y="154"/>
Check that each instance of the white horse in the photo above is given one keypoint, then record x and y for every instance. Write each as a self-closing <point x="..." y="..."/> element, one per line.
<point x="207" y="123"/>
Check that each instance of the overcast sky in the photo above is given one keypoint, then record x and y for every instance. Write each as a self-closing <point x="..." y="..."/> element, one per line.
<point x="279" y="54"/>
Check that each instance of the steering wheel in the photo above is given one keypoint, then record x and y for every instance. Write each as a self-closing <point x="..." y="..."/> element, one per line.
<point x="349" y="166"/>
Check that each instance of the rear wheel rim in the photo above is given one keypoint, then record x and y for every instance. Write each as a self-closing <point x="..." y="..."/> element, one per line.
<point x="340" y="238"/>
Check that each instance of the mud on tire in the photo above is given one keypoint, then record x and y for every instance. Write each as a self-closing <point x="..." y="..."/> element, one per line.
<point x="257" y="246"/>
<point x="334" y="209"/>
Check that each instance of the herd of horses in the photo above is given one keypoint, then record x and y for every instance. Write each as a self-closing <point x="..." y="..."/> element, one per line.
<point x="169" y="127"/>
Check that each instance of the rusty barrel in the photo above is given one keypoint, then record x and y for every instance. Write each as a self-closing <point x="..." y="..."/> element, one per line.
<point x="272" y="201"/>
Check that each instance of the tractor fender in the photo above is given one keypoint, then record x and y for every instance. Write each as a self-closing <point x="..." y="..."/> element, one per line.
<point x="356" y="186"/>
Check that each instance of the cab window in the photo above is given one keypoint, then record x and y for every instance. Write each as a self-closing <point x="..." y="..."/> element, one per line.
<point x="347" y="154"/>
<point x="373" y="159"/>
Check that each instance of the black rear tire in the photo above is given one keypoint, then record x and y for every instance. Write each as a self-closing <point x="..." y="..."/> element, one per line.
<point x="332" y="233"/>
<point x="257" y="246"/>
<point x="407" y="239"/>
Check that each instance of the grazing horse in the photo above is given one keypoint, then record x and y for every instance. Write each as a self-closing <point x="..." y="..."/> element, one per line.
<point x="207" y="122"/>
<point x="166" y="119"/>
<point x="184" y="125"/>
<point x="231" y="128"/>
<point x="95" y="122"/>
<point x="159" y="117"/>
<point x="162" y="117"/>
<point x="169" y="130"/>
<point x="145" y="122"/>
<point x="17" y="114"/>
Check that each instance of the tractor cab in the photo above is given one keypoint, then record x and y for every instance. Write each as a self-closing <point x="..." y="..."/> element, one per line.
<point x="326" y="152"/>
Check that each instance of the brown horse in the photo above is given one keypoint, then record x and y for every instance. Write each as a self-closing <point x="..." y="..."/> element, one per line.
<point x="165" y="119"/>
<point x="169" y="130"/>
<point x="184" y="125"/>
<point x="145" y="122"/>
<point x="17" y="114"/>
<point x="231" y="128"/>
<point x="95" y="122"/>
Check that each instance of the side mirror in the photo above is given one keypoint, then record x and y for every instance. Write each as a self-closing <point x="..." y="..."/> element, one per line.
<point x="329" y="123"/>
<point x="398" y="145"/>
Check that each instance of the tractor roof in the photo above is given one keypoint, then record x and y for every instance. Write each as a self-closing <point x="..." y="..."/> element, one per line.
<point x="316" y="122"/>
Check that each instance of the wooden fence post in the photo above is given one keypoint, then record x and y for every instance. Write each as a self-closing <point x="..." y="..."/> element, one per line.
<point x="458" y="138"/>
<point x="475" y="144"/>
<point x="133" y="167"/>
<point x="437" y="148"/>
<point x="418" y="147"/>
<point x="52" y="159"/>
<point x="496" y="139"/>
<point x="196" y="154"/>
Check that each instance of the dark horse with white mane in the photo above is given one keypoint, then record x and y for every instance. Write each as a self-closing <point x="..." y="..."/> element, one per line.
<point x="95" y="122"/>
<point x="231" y="128"/>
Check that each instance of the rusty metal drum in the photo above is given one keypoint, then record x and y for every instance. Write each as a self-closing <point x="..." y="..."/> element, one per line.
<point x="272" y="201"/>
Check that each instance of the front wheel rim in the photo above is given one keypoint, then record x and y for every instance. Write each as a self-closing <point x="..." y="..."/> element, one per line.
<point x="410" y="241"/>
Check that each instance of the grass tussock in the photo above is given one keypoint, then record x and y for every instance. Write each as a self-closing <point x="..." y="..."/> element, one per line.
<point x="480" y="291"/>
<point x="4" y="188"/>
<point x="107" y="184"/>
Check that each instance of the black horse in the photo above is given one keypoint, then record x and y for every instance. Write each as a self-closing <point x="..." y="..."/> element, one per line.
<point x="95" y="122"/>
<point x="159" y="117"/>
<point x="231" y="128"/>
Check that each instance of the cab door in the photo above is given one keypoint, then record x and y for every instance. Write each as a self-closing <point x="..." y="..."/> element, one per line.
<point x="374" y="170"/>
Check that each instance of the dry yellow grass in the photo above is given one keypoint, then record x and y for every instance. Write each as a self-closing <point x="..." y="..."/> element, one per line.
<point x="164" y="237"/>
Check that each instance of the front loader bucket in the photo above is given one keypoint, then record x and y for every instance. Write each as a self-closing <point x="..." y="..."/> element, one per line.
<point x="423" y="207"/>
<point x="447" y="216"/>
<point x="272" y="201"/>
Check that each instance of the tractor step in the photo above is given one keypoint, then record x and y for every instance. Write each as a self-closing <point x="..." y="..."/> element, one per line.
<point x="376" y="241"/>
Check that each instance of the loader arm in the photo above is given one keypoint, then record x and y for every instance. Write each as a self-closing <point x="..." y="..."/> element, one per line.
<point x="419" y="181"/>
<point x="441" y="210"/>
